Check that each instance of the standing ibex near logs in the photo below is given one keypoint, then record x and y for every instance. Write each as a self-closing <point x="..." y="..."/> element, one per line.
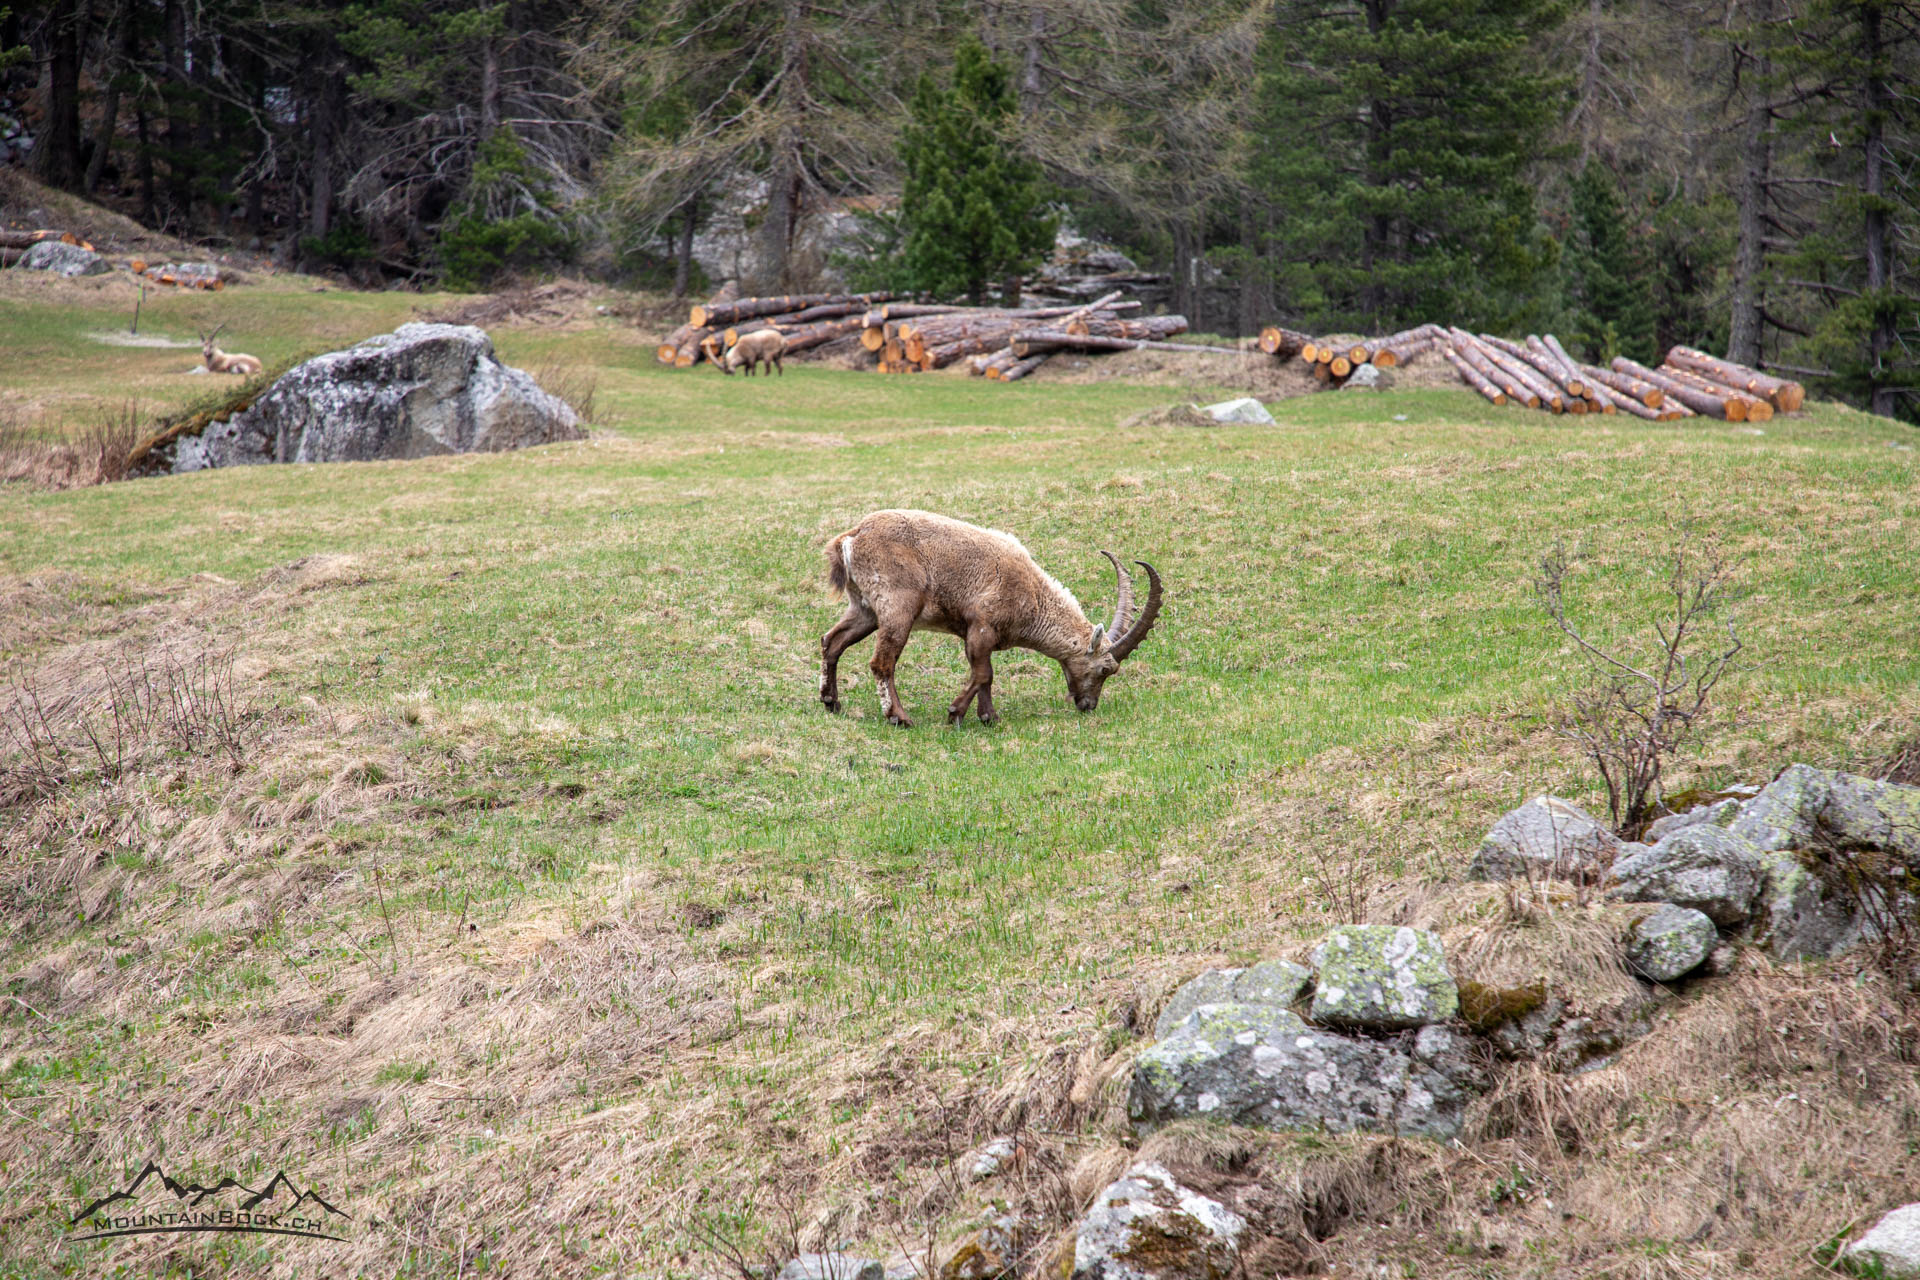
<point x="764" y="347"/>
<point x="219" y="361"/>
<point x="904" y="571"/>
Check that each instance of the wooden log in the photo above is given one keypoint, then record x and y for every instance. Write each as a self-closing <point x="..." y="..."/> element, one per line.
<point x="1398" y="348"/>
<point x="670" y="345"/>
<point x="1277" y="341"/>
<point x="1021" y="368"/>
<point x="1754" y="408"/>
<point x="1079" y="317"/>
<point x="1310" y="352"/>
<point x="1630" y="404"/>
<point x="1322" y="372"/>
<point x="1784" y="395"/>
<point x="813" y="335"/>
<point x="688" y="353"/>
<point x="1473" y="378"/>
<point x="1154" y="328"/>
<point x="1032" y="341"/>
<point x="1599" y="399"/>
<point x="1340" y="366"/>
<point x="878" y="316"/>
<point x="1546" y="393"/>
<point x="1627" y="385"/>
<point x="1732" y="409"/>
<point x="1559" y="353"/>
<point x="873" y="337"/>
<point x="27" y="239"/>
<point x="1478" y="356"/>
<point x="1542" y="357"/>
<point x="991" y="366"/>
<point x="1358" y="354"/>
<point x="717" y="315"/>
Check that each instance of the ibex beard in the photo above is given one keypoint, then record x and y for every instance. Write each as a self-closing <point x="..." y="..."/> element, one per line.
<point x="907" y="571"/>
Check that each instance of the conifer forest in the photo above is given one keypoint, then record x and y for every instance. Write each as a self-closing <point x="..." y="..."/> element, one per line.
<point x="1740" y="176"/>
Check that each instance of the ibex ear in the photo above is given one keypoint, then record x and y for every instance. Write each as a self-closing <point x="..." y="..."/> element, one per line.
<point x="1099" y="635"/>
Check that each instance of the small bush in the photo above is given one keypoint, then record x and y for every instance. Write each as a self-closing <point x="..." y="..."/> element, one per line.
<point x="1639" y="705"/>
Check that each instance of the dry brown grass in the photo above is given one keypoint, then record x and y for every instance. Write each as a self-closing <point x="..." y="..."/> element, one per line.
<point x="96" y="454"/>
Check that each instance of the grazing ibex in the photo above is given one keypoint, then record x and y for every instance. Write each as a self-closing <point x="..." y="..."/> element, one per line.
<point x="219" y="361"/>
<point x="763" y="347"/>
<point x="904" y="571"/>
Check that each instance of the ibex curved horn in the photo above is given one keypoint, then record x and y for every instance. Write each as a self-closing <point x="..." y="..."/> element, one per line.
<point x="1137" y="631"/>
<point x="1123" y="607"/>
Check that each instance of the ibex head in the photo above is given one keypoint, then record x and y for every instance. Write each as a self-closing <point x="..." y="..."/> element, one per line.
<point x="1088" y="671"/>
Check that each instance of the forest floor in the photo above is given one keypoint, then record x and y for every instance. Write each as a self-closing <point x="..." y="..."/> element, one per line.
<point x="512" y="888"/>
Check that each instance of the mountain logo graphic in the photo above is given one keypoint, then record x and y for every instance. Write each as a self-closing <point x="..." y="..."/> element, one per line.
<point x="279" y="1208"/>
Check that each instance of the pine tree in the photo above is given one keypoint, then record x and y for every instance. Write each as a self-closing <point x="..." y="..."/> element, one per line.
<point x="1611" y="292"/>
<point x="1392" y="143"/>
<point x="973" y="209"/>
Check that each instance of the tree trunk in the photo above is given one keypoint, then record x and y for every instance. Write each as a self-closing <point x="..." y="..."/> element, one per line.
<point x="1744" y="333"/>
<point x="179" y="169"/>
<point x="326" y="105"/>
<point x="56" y="153"/>
<point x="787" y="176"/>
<point x="1879" y="269"/>
<point x="489" y="87"/>
<point x="683" y="249"/>
<point x="123" y="41"/>
<point x="148" y="209"/>
<point x="1032" y="90"/>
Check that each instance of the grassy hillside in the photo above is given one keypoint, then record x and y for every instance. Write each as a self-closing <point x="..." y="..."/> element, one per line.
<point x="539" y="913"/>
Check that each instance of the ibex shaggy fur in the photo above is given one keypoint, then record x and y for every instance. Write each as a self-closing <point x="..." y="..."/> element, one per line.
<point x="907" y="571"/>
<point x="219" y="361"/>
<point x="763" y="347"/>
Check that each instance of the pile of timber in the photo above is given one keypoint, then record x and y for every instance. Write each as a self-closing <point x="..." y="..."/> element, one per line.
<point x="1334" y="360"/>
<point x="1001" y="343"/>
<point x="1539" y="374"/>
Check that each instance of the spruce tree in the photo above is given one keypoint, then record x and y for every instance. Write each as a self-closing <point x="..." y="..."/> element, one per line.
<point x="973" y="209"/>
<point x="1392" y="141"/>
<point x="1612" y="296"/>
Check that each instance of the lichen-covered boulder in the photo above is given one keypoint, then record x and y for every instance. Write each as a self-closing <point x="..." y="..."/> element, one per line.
<point x="63" y="259"/>
<point x="1146" y="1226"/>
<point x="1796" y="825"/>
<point x="1278" y="982"/>
<point x="1702" y="866"/>
<point x="1546" y="837"/>
<point x="421" y="390"/>
<point x="1721" y="813"/>
<point x="1670" y="942"/>
<point x="986" y="1254"/>
<point x="1890" y="1249"/>
<point x="1262" y="1065"/>
<point x="1382" y="977"/>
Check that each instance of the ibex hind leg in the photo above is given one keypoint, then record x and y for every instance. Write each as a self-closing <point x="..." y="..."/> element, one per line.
<point x="886" y="654"/>
<point x="856" y="625"/>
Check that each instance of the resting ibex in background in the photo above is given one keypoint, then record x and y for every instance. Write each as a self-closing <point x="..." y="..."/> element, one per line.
<point x="219" y="361"/>
<point x="904" y="571"/>
<point x="764" y="346"/>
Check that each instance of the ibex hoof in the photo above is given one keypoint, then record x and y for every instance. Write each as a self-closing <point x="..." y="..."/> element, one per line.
<point x="901" y="721"/>
<point x="831" y="704"/>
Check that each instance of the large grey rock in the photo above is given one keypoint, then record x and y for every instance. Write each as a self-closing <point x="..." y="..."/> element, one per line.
<point x="1546" y="837"/>
<point x="1365" y="377"/>
<point x="1262" y="1065"/>
<point x="1246" y="409"/>
<point x="421" y="390"/>
<point x="1278" y="982"/>
<point x="1382" y="977"/>
<point x="1702" y="866"/>
<point x="833" y="1266"/>
<point x="1891" y="1248"/>
<point x="1670" y="942"/>
<point x="1799" y="821"/>
<point x="1146" y="1226"/>
<point x="62" y="259"/>
<point x="1721" y="813"/>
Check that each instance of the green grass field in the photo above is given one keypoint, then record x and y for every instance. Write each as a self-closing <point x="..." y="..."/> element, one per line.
<point x="551" y="922"/>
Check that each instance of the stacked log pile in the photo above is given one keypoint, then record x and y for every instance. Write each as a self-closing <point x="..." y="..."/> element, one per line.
<point x="14" y="244"/>
<point x="1001" y="343"/>
<point x="192" y="275"/>
<point x="1539" y="374"/>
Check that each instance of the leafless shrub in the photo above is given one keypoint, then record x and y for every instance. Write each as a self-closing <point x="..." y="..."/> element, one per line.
<point x="144" y="704"/>
<point x="1640" y="704"/>
<point x="1344" y="888"/>
<point x="574" y="383"/>
<point x="108" y="443"/>
<point x="98" y="454"/>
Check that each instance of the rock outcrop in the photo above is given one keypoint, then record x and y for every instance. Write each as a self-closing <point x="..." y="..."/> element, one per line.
<point x="1546" y="837"/>
<point x="1670" y="942"/>
<point x="421" y="390"/>
<point x="1703" y="866"/>
<point x="1278" y="982"/>
<point x="63" y="259"/>
<point x="1263" y="1066"/>
<point x="1146" y="1226"/>
<point x="1891" y="1248"/>
<point x="1382" y="978"/>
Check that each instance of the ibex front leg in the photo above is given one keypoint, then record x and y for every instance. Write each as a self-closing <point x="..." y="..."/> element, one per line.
<point x="886" y="654"/>
<point x="980" y="644"/>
